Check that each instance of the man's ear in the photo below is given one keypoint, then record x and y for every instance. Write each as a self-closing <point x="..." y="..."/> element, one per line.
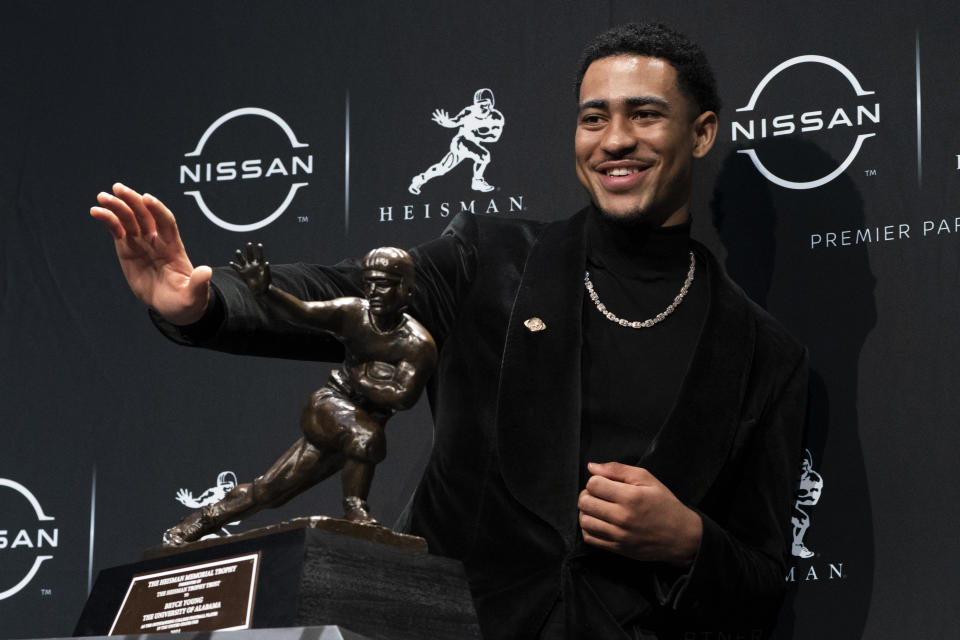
<point x="704" y="133"/>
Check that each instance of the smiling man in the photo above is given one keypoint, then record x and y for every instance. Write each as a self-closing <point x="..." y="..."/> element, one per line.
<point x="637" y="137"/>
<point x="618" y="427"/>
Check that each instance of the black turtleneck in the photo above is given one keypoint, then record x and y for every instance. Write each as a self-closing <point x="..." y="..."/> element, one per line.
<point x="632" y="377"/>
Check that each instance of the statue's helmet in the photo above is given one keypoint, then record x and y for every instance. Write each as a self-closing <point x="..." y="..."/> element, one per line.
<point x="483" y="95"/>
<point x="393" y="263"/>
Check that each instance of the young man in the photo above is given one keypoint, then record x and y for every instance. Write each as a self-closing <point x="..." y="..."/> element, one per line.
<point x="617" y="427"/>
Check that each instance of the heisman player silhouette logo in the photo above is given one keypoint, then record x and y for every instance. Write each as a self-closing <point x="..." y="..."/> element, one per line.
<point x="226" y="481"/>
<point x="477" y="124"/>
<point x="808" y="494"/>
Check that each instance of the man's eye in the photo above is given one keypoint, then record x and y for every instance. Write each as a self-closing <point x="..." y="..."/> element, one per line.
<point x="642" y="115"/>
<point x="590" y="118"/>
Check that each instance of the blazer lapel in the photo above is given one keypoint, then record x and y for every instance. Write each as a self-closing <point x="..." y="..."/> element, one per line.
<point x="691" y="448"/>
<point x="539" y="411"/>
<point x="538" y="417"/>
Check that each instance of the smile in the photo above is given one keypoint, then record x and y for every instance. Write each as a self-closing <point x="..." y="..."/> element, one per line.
<point x="623" y="176"/>
<point x="622" y="171"/>
<point x="622" y="168"/>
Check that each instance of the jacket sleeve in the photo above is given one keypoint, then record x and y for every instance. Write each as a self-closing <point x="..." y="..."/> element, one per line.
<point x="738" y="576"/>
<point x="237" y="322"/>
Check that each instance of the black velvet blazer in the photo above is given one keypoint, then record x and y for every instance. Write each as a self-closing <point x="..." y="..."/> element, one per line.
<point x="500" y="489"/>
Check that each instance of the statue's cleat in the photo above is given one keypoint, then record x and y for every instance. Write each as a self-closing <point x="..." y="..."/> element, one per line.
<point x="173" y="538"/>
<point x="801" y="551"/>
<point x="356" y="510"/>
<point x="190" y="529"/>
<point x="479" y="184"/>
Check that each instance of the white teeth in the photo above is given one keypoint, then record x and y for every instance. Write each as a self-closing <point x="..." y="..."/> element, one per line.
<point x="622" y="171"/>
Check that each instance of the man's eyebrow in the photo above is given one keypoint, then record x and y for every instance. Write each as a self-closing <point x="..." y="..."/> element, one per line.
<point x="643" y="101"/>
<point x="597" y="103"/>
<point x="631" y="101"/>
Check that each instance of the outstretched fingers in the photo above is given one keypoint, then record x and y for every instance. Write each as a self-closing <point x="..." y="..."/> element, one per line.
<point x="240" y="263"/>
<point x="164" y="222"/>
<point x="254" y="253"/>
<point x="113" y="211"/>
<point x="109" y="220"/>
<point x="144" y="217"/>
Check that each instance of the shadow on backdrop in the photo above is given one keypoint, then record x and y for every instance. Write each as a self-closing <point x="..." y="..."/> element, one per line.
<point x="825" y="298"/>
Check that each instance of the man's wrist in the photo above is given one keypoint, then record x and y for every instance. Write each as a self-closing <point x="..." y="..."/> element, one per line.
<point x="191" y="316"/>
<point x="688" y="542"/>
<point x="202" y="329"/>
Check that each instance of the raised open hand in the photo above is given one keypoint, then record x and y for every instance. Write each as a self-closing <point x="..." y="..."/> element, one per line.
<point x="152" y="255"/>
<point x="253" y="269"/>
<point x="442" y="118"/>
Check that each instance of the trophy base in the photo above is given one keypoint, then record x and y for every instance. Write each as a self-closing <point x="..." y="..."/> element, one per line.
<point x="327" y="632"/>
<point x="306" y="572"/>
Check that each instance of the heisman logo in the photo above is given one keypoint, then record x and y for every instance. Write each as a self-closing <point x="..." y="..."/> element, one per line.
<point x="23" y="539"/>
<point x="808" y="494"/>
<point x="226" y="481"/>
<point x="786" y="124"/>
<point x="476" y="124"/>
<point x="226" y="171"/>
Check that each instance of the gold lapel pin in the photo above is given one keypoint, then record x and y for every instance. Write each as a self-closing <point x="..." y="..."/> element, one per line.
<point x="534" y="324"/>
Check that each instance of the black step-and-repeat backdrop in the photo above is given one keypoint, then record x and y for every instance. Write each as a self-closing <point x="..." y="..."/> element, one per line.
<point x="831" y="196"/>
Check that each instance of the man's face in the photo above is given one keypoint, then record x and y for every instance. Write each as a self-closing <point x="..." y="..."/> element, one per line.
<point x="384" y="291"/>
<point x="637" y="136"/>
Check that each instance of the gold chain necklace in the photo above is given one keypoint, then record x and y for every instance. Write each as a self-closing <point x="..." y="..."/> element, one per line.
<point x="649" y="322"/>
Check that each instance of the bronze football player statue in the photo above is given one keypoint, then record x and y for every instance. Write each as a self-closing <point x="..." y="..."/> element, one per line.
<point x="389" y="358"/>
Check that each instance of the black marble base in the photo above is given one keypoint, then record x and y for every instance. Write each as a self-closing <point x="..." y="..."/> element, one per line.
<point x="314" y="577"/>
<point x="289" y="633"/>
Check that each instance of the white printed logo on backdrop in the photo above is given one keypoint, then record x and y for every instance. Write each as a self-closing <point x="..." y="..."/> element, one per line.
<point x="476" y="124"/>
<point x="808" y="565"/>
<point x="24" y="545"/>
<point x="207" y="169"/>
<point x="226" y="481"/>
<point x="824" y="117"/>
<point x="809" y="488"/>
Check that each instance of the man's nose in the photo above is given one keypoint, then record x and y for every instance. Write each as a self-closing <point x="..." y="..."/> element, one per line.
<point x="618" y="136"/>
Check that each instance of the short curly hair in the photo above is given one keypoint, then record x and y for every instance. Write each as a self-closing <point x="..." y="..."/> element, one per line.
<point x="656" y="40"/>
